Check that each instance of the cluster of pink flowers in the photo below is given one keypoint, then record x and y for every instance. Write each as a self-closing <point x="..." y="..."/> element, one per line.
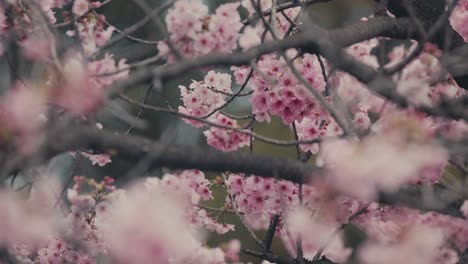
<point x="260" y="195"/>
<point x="19" y="122"/>
<point x="278" y="92"/>
<point x="258" y="199"/>
<point x="79" y="86"/>
<point x="426" y="241"/>
<point x="314" y="128"/>
<point x="194" y="32"/>
<point x="37" y="45"/>
<point x="84" y="85"/>
<point x="191" y="188"/>
<point x="395" y="228"/>
<point x="96" y="159"/>
<point x="459" y="19"/>
<point x="414" y="81"/>
<point x="169" y="230"/>
<point x="91" y="27"/>
<point x="315" y="234"/>
<point x="263" y="197"/>
<point x="160" y="218"/>
<point x="223" y="139"/>
<point x="78" y="90"/>
<point x="362" y="169"/>
<point x="22" y="223"/>
<point x="401" y="230"/>
<point x="103" y="220"/>
<point x="202" y="97"/>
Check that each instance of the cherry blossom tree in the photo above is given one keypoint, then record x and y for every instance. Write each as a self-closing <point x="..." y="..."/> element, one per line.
<point x="377" y="110"/>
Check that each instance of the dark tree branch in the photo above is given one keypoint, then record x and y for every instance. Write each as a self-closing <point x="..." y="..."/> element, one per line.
<point x="441" y="200"/>
<point x="133" y="148"/>
<point x="327" y="43"/>
<point x="270" y="233"/>
<point x="463" y="258"/>
<point x="283" y="259"/>
<point x="426" y="11"/>
<point x="380" y="26"/>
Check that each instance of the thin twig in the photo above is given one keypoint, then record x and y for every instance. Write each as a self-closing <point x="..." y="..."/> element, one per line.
<point x="213" y="124"/>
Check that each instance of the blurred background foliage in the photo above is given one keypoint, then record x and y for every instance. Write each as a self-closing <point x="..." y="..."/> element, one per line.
<point x="118" y="115"/>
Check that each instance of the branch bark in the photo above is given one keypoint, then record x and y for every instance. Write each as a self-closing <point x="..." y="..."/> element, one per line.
<point x="134" y="148"/>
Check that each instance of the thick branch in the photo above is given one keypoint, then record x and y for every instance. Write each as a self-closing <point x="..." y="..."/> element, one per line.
<point x="427" y="12"/>
<point x="380" y="26"/>
<point x="134" y="148"/>
<point x="444" y="201"/>
<point x="326" y="43"/>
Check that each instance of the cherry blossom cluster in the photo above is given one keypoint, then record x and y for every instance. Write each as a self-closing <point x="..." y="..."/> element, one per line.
<point x="406" y="133"/>
<point x="19" y="122"/>
<point x="357" y="168"/>
<point x="73" y="84"/>
<point x="91" y="27"/>
<point x="123" y="216"/>
<point x="22" y="223"/>
<point x="195" y="32"/>
<point x="392" y="230"/>
<point x="84" y="86"/>
<point x="258" y="199"/>
<point x="28" y="34"/>
<point x="415" y="82"/>
<point x="202" y="98"/>
<point x="96" y="159"/>
<point x="195" y="188"/>
<point x="261" y="196"/>
<point x="305" y="223"/>
<point x="398" y="229"/>
<point x="278" y="92"/>
<point x="77" y="240"/>
<point x="102" y="220"/>
<point x="223" y="139"/>
<point x="459" y="19"/>
<point x="78" y="89"/>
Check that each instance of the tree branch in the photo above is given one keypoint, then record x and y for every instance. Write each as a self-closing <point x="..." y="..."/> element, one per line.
<point x="133" y="148"/>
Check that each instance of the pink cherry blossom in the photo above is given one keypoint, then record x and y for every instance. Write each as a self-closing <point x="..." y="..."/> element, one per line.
<point x="361" y="172"/>
<point x="223" y="139"/>
<point x="464" y="208"/>
<point x="80" y="7"/>
<point x="149" y="230"/>
<point x="426" y="241"/>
